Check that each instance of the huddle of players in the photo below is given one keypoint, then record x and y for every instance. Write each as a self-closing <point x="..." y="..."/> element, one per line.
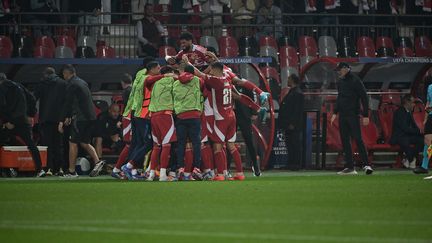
<point x="204" y="126"/>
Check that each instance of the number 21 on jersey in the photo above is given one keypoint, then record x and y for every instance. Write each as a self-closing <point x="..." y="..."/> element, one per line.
<point x="227" y="96"/>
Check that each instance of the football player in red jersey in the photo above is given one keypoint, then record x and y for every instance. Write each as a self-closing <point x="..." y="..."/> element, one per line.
<point x="195" y="53"/>
<point x="224" y="129"/>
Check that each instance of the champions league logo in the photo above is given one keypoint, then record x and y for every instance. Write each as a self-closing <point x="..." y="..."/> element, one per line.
<point x="280" y="136"/>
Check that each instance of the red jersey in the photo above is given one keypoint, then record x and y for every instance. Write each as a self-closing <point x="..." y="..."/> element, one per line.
<point x="221" y="96"/>
<point x="196" y="55"/>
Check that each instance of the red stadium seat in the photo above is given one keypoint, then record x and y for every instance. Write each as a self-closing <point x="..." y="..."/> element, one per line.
<point x="423" y="46"/>
<point x="68" y="41"/>
<point x="43" y="52"/>
<point x="308" y="49"/>
<point x="307" y="46"/>
<point x="404" y="52"/>
<point x="167" y="51"/>
<point x="268" y="41"/>
<point x="105" y="52"/>
<point x="66" y="30"/>
<point x="270" y="72"/>
<point x="228" y="46"/>
<point x="6" y="47"/>
<point x="385" y="114"/>
<point x="45" y="41"/>
<point x="384" y="46"/>
<point x="288" y="56"/>
<point x="365" y="47"/>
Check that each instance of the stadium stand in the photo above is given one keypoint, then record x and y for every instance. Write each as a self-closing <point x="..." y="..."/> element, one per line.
<point x="45" y="41"/>
<point x="248" y="46"/>
<point x="228" y="46"/>
<point x="209" y="41"/>
<point x="63" y="52"/>
<point x="43" y="52"/>
<point x="384" y="46"/>
<point x="423" y="46"/>
<point x="65" y="40"/>
<point x="105" y="52"/>
<point x="327" y="46"/>
<point x="365" y="47"/>
<point x="346" y="47"/>
<point x="308" y="49"/>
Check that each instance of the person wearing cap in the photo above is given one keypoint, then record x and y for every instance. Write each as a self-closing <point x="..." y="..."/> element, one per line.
<point x="351" y="92"/>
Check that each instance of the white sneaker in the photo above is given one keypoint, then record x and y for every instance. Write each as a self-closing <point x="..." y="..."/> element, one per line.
<point x="428" y="178"/>
<point x="41" y="173"/>
<point x="97" y="169"/>
<point x="406" y="163"/>
<point x="368" y="170"/>
<point x="347" y="171"/>
<point x="412" y="164"/>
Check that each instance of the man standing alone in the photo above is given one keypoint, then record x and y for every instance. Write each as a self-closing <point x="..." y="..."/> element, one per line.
<point x="351" y="92"/>
<point x="80" y="113"/>
<point x="291" y="121"/>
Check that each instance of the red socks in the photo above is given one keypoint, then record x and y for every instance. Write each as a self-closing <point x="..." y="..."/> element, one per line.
<point x="237" y="159"/>
<point x="207" y="157"/>
<point x="154" y="159"/>
<point x="220" y="161"/>
<point x="165" y="155"/>
<point x="122" y="157"/>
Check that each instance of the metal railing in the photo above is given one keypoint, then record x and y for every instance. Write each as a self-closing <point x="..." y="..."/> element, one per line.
<point x="123" y="36"/>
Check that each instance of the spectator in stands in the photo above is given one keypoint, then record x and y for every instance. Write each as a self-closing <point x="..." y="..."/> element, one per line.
<point x="212" y="22"/>
<point x="90" y="13"/>
<point x="327" y="7"/>
<point x="14" y="112"/>
<point x="291" y="121"/>
<point x="243" y="10"/>
<point x="51" y="92"/>
<point x="270" y="17"/>
<point x="107" y="132"/>
<point x="149" y="31"/>
<point x="126" y="83"/>
<point x="405" y="131"/>
<point x="79" y="112"/>
<point x="47" y="6"/>
<point x="350" y="92"/>
<point x="5" y="16"/>
<point x="301" y="7"/>
<point x="137" y="7"/>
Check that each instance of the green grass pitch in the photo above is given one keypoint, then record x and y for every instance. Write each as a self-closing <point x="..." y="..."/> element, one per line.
<point x="389" y="206"/>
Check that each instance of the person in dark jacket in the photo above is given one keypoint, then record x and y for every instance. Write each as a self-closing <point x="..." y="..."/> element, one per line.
<point x="350" y="92"/>
<point x="291" y="121"/>
<point x="51" y="92"/>
<point x="245" y="116"/>
<point x="14" y="115"/>
<point x="78" y="111"/>
<point x="406" y="132"/>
